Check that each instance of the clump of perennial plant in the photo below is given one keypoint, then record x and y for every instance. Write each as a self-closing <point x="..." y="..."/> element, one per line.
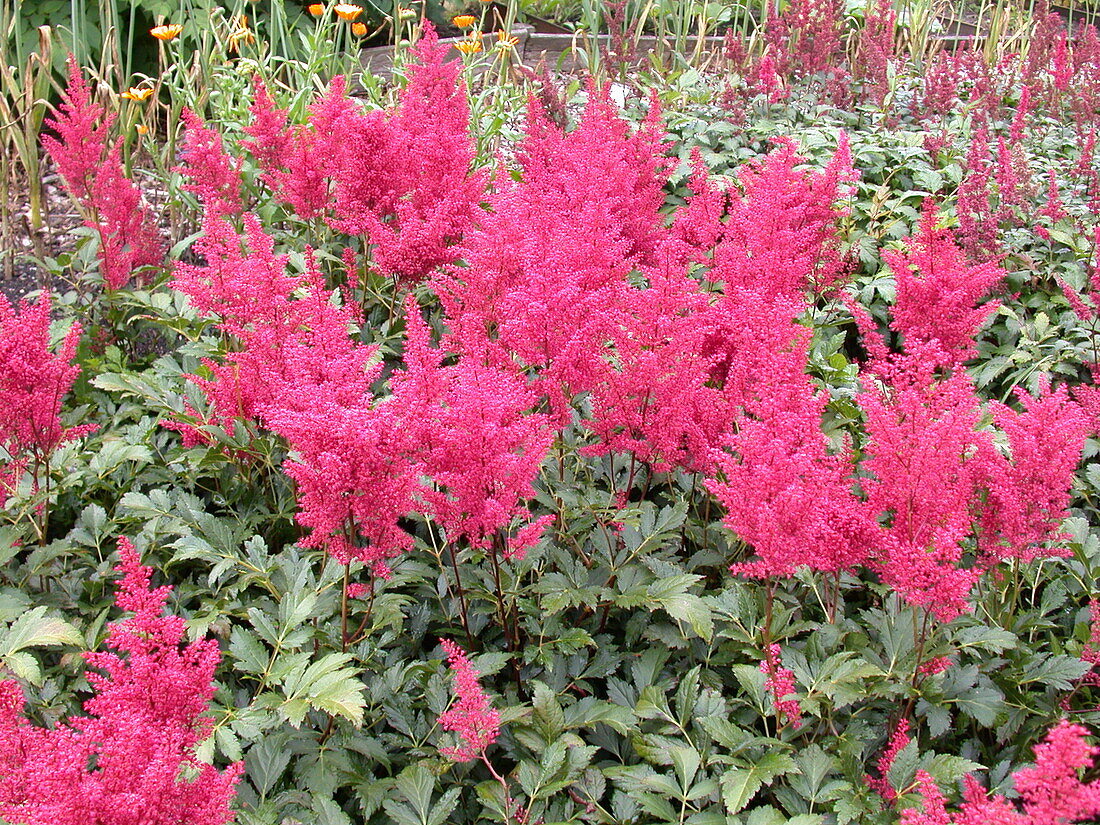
<point x="131" y="760"/>
<point x="1051" y="791"/>
<point x="33" y="382"/>
<point x="93" y="174"/>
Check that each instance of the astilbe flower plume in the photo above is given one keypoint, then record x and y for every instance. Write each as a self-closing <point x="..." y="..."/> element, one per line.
<point x="553" y="254"/>
<point x="877" y="49"/>
<point x="1029" y="489"/>
<point x="780" y="684"/>
<point x="215" y="177"/>
<point x="294" y="336"/>
<point x="33" y="382"/>
<point x="402" y="178"/>
<point x="356" y="478"/>
<point x="434" y="192"/>
<point x="939" y="294"/>
<point x="655" y="400"/>
<point x="978" y="219"/>
<point x="784" y="223"/>
<point x="131" y="760"/>
<point x="479" y="442"/>
<point x="1087" y="309"/>
<point x="785" y="492"/>
<point x="472" y="716"/>
<point x="899" y="739"/>
<point x="1051" y="790"/>
<point x="936" y="476"/>
<point x="814" y="27"/>
<point x="92" y="171"/>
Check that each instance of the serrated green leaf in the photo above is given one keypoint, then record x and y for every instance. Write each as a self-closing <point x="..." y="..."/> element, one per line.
<point x="326" y="685"/>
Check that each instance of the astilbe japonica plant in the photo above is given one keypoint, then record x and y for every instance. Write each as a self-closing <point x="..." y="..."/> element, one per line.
<point x="131" y="759"/>
<point x="33" y="383"/>
<point x="946" y="487"/>
<point x="401" y="179"/>
<point x="91" y="167"/>
<point x="1051" y="791"/>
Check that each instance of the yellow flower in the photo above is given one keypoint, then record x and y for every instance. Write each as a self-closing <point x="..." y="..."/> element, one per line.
<point x="347" y="11"/>
<point x="464" y="21"/>
<point x="241" y="35"/>
<point x="506" y="42"/>
<point x="169" y="31"/>
<point x="468" y="46"/>
<point x="316" y="9"/>
<point x="136" y="94"/>
<point x="358" y="29"/>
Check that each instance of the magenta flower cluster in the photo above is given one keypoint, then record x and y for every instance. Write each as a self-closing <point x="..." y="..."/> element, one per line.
<point x="131" y="760"/>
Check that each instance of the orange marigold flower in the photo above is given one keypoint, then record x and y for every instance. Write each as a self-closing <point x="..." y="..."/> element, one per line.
<point x="316" y="9"/>
<point x="142" y="129"/>
<point x="468" y="46"/>
<point x="136" y="94"/>
<point x="347" y="11"/>
<point x="169" y="31"/>
<point x="505" y="41"/>
<point x="464" y="21"/>
<point x="358" y="29"/>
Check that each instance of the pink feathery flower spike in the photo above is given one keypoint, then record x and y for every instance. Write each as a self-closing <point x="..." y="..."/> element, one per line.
<point x="1051" y="791"/>
<point x="472" y="717"/>
<point x="131" y="760"/>
<point x="780" y="683"/>
<point x="33" y="381"/>
<point x="93" y="173"/>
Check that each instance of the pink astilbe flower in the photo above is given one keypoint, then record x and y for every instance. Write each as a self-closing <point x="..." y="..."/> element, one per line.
<point x="921" y="455"/>
<point x="935" y="804"/>
<point x="1053" y="209"/>
<point x="938" y="294"/>
<point x="403" y="178"/>
<point x="1087" y="308"/>
<point x="939" y="481"/>
<point x="785" y="492"/>
<point x="479" y="441"/>
<point x="295" y="338"/>
<point x="935" y="666"/>
<point x="93" y="174"/>
<point x="131" y="760"/>
<point x="976" y="216"/>
<point x="785" y="224"/>
<point x="298" y="159"/>
<point x="1051" y="791"/>
<point x="876" y="50"/>
<point x="435" y="195"/>
<point x="472" y="716"/>
<point x="553" y="254"/>
<point x="940" y="91"/>
<point x="215" y="176"/>
<point x="1029" y="491"/>
<point x="355" y="479"/>
<point x="33" y="382"/>
<point x="656" y="400"/>
<point x="781" y="685"/>
<point x="899" y="739"/>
